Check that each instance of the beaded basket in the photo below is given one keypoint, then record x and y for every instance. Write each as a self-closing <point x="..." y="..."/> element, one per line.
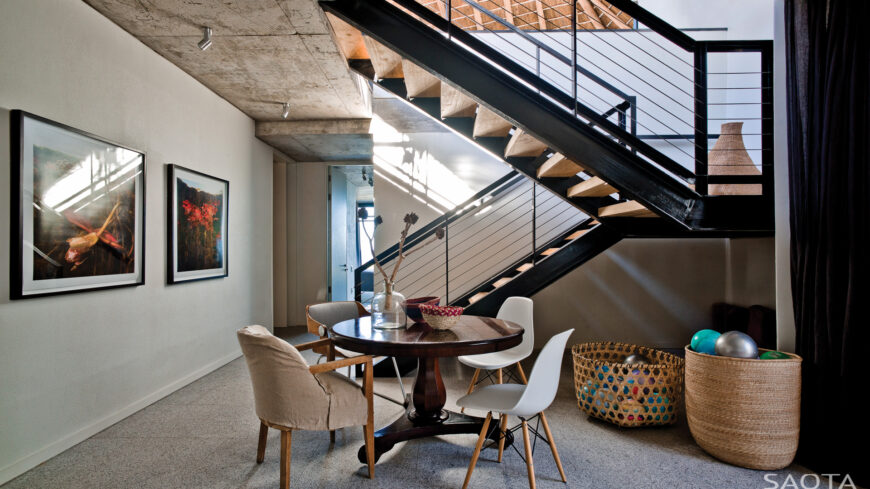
<point x="441" y="317"/>
<point x="628" y="395"/>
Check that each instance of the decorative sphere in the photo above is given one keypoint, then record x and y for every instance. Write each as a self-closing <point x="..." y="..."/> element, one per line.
<point x="736" y="344"/>
<point x="635" y="359"/>
<point x="704" y="341"/>
<point x="773" y="355"/>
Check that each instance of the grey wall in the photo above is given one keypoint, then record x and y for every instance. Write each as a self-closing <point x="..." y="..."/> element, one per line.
<point x="301" y="196"/>
<point x="72" y="365"/>
<point x="655" y="292"/>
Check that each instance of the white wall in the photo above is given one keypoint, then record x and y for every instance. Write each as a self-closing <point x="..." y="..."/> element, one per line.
<point x="72" y="365"/>
<point x="655" y="292"/>
<point x="302" y="196"/>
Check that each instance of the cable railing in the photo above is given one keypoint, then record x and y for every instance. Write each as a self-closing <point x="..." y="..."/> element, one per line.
<point x="677" y="95"/>
<point x="510" y="221"/>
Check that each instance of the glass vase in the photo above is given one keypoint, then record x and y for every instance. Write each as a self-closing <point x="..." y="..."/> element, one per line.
<point x="388" y="310"/>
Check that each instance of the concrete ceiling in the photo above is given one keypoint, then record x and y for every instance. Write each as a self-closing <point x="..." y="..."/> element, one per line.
<point x="264" y="53"/>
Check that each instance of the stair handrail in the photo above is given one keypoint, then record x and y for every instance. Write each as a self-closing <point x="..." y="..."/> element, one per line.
<point x="492" y="190"/>
<point x="481" y="48"/>
<point x="549" y="50"/>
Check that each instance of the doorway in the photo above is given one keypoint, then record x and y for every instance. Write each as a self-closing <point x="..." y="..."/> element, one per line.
<point x="350" y="187"/>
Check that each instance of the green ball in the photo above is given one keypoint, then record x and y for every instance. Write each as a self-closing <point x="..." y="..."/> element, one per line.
<point x="704" y="341"/>
<point x="773" y="355"/>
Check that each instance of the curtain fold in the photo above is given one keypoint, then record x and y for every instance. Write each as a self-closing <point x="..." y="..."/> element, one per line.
<point x="828" y="60"/>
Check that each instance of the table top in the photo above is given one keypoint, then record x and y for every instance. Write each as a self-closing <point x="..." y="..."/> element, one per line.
<point x="471" y="335"/>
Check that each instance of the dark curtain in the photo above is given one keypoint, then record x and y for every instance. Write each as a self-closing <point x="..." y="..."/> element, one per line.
<point x="828" y="60"/>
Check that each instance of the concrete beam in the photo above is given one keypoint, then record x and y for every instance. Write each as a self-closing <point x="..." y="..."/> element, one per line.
<point x="317" y="126"/>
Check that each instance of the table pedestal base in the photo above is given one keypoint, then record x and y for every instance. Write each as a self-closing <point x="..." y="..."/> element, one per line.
<point x="403" y="429"/>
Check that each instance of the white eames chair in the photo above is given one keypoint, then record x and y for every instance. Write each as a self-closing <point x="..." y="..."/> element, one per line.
<point x="524" y="401"/>
<point x="518" y="310"/>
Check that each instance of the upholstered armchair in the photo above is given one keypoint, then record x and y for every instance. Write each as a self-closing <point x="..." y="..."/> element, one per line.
<point x="289" y="394"/>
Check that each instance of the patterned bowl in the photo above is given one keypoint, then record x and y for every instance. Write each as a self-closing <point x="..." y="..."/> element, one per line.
<point x="441" y="317"/>
<point x="412" y="307"/>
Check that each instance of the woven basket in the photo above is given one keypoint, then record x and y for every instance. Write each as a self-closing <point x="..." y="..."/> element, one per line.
<point x="627" y="395"/>
<point x="742" y="411"/>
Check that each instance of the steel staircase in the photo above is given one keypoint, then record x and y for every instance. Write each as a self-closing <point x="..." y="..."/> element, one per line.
<point x="602" y="167"/>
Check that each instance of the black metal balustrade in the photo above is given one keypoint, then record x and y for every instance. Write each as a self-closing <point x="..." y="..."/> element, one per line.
<point x="511" y="222"/>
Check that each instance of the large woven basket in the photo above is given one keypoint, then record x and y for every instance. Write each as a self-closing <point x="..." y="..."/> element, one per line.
<point x="627" y="395"/>
<point x="742" y="411"/>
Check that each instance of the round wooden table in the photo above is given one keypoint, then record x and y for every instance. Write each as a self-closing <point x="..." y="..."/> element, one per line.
<point x="425" y="414"/>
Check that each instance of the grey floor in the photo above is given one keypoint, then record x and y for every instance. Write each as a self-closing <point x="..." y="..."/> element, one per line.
<point x="205" y="435"/>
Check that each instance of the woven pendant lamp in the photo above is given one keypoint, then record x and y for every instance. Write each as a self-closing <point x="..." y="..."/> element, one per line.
<point x="729" y="157"/>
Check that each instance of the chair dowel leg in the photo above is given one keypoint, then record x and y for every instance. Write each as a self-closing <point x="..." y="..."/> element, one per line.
<point x="261" y="444"/>
<point x="285" y="459"/>
<point x="399" y="377"/>
<point x="499" y="377"/>
<point x="522" y="374"/>
<point x="553" y="446"/>
<point x="471" y="386"/>
<point x="480" y="440"/>
<point x="501" y="437"/>
<point x="530" y="463"/>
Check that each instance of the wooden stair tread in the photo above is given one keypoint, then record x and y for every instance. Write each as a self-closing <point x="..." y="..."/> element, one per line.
<point x="631" y="208"/>
<point x="549" y="251"/>
<point x="489" y="124"/>
<point x="498" y="283"/>
<point x="524" y="267"/>
<point x="455" y="103"/>
<point x="594" y="187"/>
<point x="576" y="234"/>
<point x="476" y="297"/>
<point x="387" y="64"/>
<point x="419" y="82"/>
<point x="559" y="166"/>
<point x="349" y="38"/>
<point x="524" y="144"/>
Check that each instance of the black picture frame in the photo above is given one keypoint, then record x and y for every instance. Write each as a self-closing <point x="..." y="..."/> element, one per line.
<point x="111" y="166"/>
<point x="175" y="225"/>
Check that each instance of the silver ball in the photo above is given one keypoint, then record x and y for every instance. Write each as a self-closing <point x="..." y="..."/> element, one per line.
<point x="635" y="359"/>
<point x="736" y="344"/>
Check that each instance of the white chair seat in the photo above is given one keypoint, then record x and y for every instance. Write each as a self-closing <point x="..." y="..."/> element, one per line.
<point x="496" y="360"/>
<point x="499" y="398"/>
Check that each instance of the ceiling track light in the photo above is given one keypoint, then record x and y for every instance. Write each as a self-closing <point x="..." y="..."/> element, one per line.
<point x="205" y="43"/>
<point x="286" y="112"/>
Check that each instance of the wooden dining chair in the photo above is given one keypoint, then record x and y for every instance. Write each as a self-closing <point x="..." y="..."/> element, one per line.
<point x="320" y="316"/>
<point x="289" y="394"/>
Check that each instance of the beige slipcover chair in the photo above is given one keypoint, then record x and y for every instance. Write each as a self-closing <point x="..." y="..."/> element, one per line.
<point x="289" y="394"/>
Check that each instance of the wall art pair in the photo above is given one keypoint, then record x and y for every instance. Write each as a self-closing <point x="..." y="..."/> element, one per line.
<point x="78" y="214"/>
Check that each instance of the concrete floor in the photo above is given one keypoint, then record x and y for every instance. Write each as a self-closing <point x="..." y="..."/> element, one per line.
<point x="205" y="435"/>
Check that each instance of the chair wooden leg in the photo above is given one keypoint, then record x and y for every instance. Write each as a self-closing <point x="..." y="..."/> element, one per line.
<point x="480" y="440"/>
<point x="499" y="377"/>
<point x="530" y="463"/>
<point x="522" y="374"/>
<point x="471" y="386"/>
<point x="261" y="445"/>
<point x="285" y="459"/>
<point x="553" y="446"/>
<point x="369" y="428"/>
<point x="501" y="437"/>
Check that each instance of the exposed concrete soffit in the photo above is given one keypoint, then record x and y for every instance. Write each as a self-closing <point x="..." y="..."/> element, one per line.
<point x="319" y="126"/>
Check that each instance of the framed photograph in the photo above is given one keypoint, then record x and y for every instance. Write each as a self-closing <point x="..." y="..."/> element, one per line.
<point x="78" y="210"/>
<point x="197" y="225"/>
